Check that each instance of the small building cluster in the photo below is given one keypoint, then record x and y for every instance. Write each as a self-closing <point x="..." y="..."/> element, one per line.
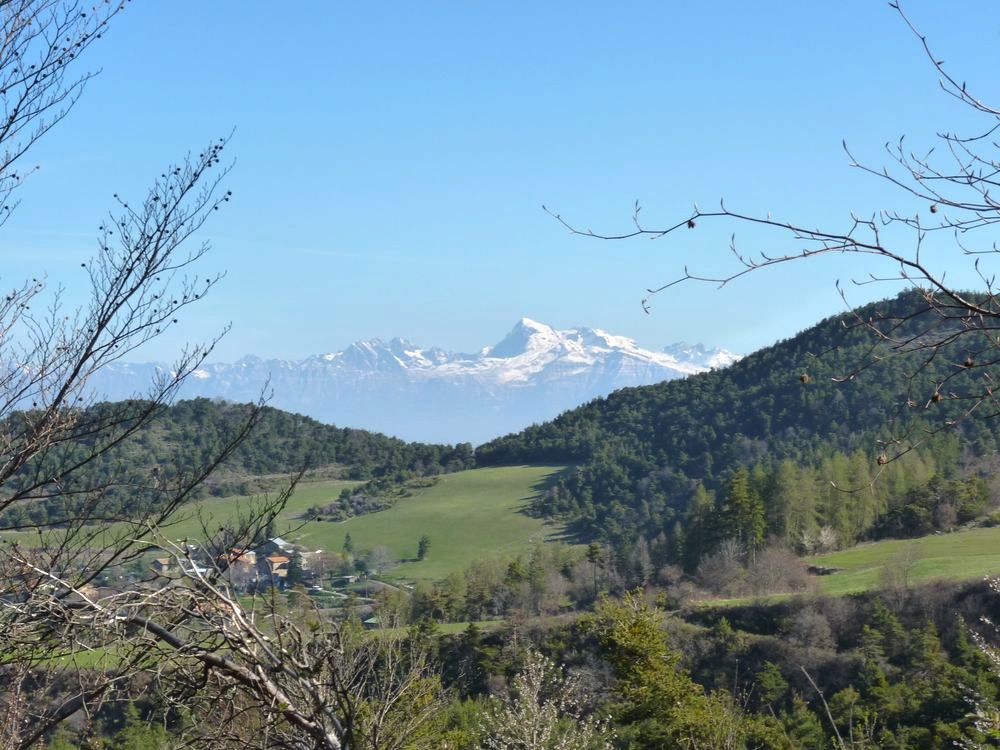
<point x="335" y="582"/>
<point x="276" y="563"/>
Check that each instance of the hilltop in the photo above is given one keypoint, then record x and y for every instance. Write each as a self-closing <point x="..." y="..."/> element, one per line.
<point x="661" y="460"/>
<point x="185" y="435"/>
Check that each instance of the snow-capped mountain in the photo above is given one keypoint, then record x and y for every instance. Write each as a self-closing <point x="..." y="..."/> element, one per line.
<point x="701" y="356"/>
<point x="534" y="373"/>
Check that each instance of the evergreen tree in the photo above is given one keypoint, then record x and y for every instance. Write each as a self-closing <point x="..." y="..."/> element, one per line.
<point x="296" y="573"/>
<point x="594" y="557"/>
<point x="744" y="511"/>
<point x="771" y="685"/>
<point x="423" y="547"/>
<point x="658" y="702"/>
<point x="650" y="684"/>
<point x="640" y="563"/>
<point x="803" y="726"/>
<point x="137" y="734"/>
<point x="703" y="531"/>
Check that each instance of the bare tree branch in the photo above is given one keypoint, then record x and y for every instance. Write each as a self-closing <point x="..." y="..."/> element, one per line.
<point x="951" y="325"/>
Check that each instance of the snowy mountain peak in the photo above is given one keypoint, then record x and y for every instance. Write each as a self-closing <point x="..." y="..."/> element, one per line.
<point x="385" y="356"/>
<point x="603" y="339"/>
<point x="701" y="356"/>
<point x="373" y="354"/>
<point x="527" y="335"/>
<point x="533" y="325"/>
<point x="425" y="393"/>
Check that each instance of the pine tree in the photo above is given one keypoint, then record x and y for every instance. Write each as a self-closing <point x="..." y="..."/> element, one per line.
<point x="296" y="573"/>
<point x="804" y="727"/>
<point x="641" y="562"/>
<point x="137" y="734"/>
<point x="771" y="685"/>
<point x="703" y="531"/>
<point x="423" y="547"/>
<point x="744" y="511"/>
<point x="594" y="556"/>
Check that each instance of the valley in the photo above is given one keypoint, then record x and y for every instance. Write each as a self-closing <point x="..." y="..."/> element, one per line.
<point x="349" y="398"/>
<point x="477" y="514"/>
<point x="736" y="516"/>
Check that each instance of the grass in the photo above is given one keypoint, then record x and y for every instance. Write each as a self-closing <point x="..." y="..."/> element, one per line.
<point x="469" y="516"/>
<point x="211" y="513"/>
<point x="449" y="628"/>
<point x="218" y="511"/>
<point x="95" y="658"/>
<point x="961" y="555"/>
<point x="956" y="556"/>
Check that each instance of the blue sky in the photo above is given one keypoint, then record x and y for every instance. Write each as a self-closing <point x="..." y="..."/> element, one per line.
<point x="392" y="158"/>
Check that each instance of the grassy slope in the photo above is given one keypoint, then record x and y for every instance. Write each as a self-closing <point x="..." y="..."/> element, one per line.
<point x="221" y="510"/>
<point x="214" y="512"/>
<point x="960" y="555"/>
<point x="469" y="515"/>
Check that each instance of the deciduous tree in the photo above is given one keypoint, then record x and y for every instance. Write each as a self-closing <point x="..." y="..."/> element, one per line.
<point x="541" y="710"/>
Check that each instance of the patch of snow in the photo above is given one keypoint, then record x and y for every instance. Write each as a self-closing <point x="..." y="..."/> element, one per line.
<point x="701" y="356"/>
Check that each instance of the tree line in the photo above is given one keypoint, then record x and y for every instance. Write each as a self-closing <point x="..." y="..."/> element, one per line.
<point x="812" y="673"/>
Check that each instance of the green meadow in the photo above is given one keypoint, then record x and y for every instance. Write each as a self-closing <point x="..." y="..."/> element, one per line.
<point x="216" y="512"/>
<point x="959" y="555"/>
<point x="469" y="515"/>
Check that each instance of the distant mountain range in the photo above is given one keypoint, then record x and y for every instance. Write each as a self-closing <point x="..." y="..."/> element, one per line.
<point x="433" y="395"/>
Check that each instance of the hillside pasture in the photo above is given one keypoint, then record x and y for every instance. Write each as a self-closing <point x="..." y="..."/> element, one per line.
<point x="470" y="515"/>
<point x="222" y="511"/>
<point x="959" y="555"/>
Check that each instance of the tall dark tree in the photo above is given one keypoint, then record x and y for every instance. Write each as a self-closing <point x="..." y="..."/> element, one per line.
<point x="595" y="556"/>
<point x="744" y="512"/>
<point x="423" y="547"/>
<point x="296" y="573"/>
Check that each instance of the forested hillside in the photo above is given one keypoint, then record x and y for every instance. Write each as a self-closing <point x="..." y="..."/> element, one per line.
<point x="770" y="445"/>
<point x="185" y="436"/>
